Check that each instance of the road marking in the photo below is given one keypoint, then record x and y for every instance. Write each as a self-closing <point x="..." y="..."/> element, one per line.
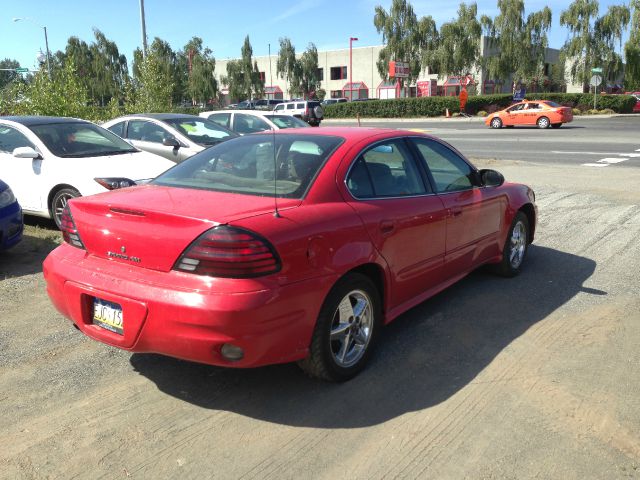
<point x="595" y="164"/>
<point x="630" y="155"/>
<point x="417" y="130"/>
<point x="612" y="160"/>
<point x="588" y="153"/>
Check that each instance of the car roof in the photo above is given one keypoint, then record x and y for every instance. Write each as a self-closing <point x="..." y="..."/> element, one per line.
<point x="161" y="116"/>
<point x="30" y="120"/>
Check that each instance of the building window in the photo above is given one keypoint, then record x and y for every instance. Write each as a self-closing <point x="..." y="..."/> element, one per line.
<point x="320" y="74"/>
<point x="336" y="93"/>
<point x="262" y="77"/>
<point x="339" y="73"/>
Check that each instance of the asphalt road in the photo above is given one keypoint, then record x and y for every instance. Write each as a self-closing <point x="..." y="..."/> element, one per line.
<point x="585" y="140"/>
<point x="534" y="377"/>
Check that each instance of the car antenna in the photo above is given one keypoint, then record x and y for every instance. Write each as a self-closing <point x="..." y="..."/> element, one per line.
<point x="275" y="175"/>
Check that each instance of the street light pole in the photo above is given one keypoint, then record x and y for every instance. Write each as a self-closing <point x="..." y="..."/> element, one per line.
<point x="143" y="27"/>
<point x="46" y="40"/>
<point x="351" y="40"/>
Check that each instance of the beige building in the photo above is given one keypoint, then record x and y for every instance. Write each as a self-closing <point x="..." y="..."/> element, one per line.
<point x="367" y="83"/>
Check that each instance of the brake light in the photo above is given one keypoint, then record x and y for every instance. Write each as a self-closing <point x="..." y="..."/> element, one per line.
<point x="229" y="252"/>
<point x="69" y="230"/>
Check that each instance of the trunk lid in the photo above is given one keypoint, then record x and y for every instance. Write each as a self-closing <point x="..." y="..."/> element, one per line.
<point x="150" y="226"/>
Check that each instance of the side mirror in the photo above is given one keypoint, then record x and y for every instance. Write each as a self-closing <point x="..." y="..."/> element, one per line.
<point x="491" y="178"/>
<point x="171" y="142"/>
<point x="26" y="152"/>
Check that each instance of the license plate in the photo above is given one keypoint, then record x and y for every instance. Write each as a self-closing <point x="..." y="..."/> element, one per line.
<point x="108" y="315"/>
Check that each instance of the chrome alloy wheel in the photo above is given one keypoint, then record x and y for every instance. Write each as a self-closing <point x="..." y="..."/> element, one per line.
<point x="518" y="244"/>
<point x="496" y="123"/>
<point x="351" y="328"/>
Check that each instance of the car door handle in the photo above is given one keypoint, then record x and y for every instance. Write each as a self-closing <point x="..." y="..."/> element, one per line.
<point x="387" y="227"/>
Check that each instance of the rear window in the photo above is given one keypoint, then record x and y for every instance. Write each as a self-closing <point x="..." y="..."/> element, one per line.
<point x="553" y="104"/>
<point x="253" y="165"/>
<point x="287" y="121"/>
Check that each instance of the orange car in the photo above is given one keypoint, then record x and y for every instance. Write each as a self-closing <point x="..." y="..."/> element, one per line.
<point x="542" y="113"/>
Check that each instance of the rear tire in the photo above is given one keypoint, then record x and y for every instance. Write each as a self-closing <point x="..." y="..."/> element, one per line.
<point x="515" y="247"/>
<point x="496" y="123"/>
<point x="60" y="200"/>
<point x="543" y="122"/>
<point x="346" y="330"/>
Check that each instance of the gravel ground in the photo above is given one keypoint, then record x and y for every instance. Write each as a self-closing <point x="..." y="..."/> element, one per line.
<point x="533" y="377"/>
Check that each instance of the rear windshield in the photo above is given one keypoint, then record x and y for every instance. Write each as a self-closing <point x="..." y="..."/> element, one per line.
<point x="552" y="104"/>
<point x="201" y="131"/>
<point x="248" y="164"/>
<point x="287" y="121"/>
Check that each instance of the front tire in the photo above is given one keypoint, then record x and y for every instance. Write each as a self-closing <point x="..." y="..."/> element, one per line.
<point x="515" y="247"/>
<point x="60" y="200"/>
<point x="346" y="330"/>
<point x="496" y="123"/>
<point x="543" y="122"/>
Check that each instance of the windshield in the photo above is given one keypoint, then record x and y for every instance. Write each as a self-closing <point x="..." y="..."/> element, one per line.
<point x="80" y="139"/>
<point x="287" y="121"/>
<point x="200" y="130"/>
<point x="247" y="165"/>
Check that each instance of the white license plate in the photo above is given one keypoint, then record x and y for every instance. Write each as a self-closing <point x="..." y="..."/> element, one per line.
<point x="108" y="315"/>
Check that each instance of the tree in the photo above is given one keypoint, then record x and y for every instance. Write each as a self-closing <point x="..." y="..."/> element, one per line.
<point x="517" y="43"/>
<point x="173" y="66"/>
<point x="457" y="48"/>
<point x="155" y="85"/>
<point x="301" y="73"/>
<point x="243" y="76"/>
<point x="632" y="51"/>
<point x="201" y="84"/>
<point x="7" y="77"/>
<point x="109" y="68"/>
<point x="592" y="39"/>
<point x="405" y="37"/>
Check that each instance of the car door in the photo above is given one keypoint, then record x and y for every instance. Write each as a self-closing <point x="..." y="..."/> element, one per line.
<point x="223" y="119"/>
<point x="532" y="112"/>
<point x="21" y="174"/>
<point x="514" y="115"/>
<point x="474" y="213"/>
<point x="404" y="219"/>
<point x="148" y="136"/>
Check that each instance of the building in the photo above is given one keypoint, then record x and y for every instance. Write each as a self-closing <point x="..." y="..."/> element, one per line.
<point x="367" y="82"/>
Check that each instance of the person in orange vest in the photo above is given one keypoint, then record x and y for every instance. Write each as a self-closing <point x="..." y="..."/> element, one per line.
<point x="463" y="100"/>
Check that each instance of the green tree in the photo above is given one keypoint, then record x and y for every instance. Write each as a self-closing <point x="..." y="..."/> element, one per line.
<point x="405" y="37"/>
<point x="632" y="51"/>
<point x="457" y="49"/>
<point x="109" y="68"/>
<point x="154" y="85"/>
<point x="201" y="85"/>
<point x="243" y="76"/>
<point x="516" y="43"/>
<point x="172" y="64"/>
<point x="7" y="77"/>
<point x="592" y="39"/>
<point x="301" y="73"/>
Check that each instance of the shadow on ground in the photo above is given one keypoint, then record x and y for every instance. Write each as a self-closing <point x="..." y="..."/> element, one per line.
<point x="425" y="356"/>
<point x="27" y="256"/>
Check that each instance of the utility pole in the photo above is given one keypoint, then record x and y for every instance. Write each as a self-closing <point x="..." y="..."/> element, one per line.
<point x="270" y="77"/>
<point x="351" y="40"/>
<point x="144" y="29"/>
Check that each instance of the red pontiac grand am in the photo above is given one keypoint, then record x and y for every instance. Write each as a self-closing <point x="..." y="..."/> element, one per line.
<point x="296" y="245"/>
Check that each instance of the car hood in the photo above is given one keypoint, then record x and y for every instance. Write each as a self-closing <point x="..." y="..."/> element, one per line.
<point x="150" y="226"/>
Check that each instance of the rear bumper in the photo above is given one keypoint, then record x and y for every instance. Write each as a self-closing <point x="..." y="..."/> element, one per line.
<point x="271" y="325"/>
<point x="11" y="226"/>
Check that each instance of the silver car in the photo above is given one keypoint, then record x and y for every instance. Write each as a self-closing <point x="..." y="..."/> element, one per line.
<point x="174" y="136"/>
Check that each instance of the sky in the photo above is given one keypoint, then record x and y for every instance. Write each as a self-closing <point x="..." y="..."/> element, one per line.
<point x="222" y="24"/>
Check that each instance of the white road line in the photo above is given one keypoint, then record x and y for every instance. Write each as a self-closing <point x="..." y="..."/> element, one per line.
<point x="612" y="160"/>
<point x="630" y="155"/>
<point x="595" y="164"/>
<point x="588" y="153"/>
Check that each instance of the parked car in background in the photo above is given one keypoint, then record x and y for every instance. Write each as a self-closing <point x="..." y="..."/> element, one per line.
<point x="296" y="245"/>
<point x="267" y="103"/>
<point x="252" y="121"/>
<point x="308" y="110"/>
<point x="174" y="136"/>
<point x="11" y="225"/>
<point x="543" y="113"/>
<point x="636" y="107"/>
<point x="49" y="160"/>
<point x="331" y="101"/>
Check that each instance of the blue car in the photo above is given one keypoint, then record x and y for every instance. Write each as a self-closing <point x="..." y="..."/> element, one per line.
<point x="11" y="225"/>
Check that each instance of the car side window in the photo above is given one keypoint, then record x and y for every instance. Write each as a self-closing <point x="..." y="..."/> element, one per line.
<point x="222" y="119"/>
<point x="385" y="170"/>
<point x="118" y="129"/>
<point x="243" y="123"/>
<point x="291" y="106"/>
<point x="300" y="106"/>
<point x="146" y="131"/>
<point x="279" y="107"/>
<point x="10" y="139"/>
<point x="450" y="172"/>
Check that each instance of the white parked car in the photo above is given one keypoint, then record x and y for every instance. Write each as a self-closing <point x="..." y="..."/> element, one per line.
<point x="308" y="110"/>
<point x="49" y="160"/>
<point x="175" y="136"/>
<point x="252" y="121"/>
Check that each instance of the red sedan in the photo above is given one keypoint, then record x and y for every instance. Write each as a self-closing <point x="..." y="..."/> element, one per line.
<point x="293" y="246"/>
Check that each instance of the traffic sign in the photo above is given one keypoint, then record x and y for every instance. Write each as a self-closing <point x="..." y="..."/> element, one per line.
<point x="22" y="70"/>
<point x="596" y="70"/>
<point x="596" y="80"/>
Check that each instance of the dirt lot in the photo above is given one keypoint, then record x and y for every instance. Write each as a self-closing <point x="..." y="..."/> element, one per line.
<point x="534" y="377"/>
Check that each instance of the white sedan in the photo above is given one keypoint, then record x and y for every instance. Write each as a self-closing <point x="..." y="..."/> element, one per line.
<point x="253" y="121"/>
<point x="49" y="160"/>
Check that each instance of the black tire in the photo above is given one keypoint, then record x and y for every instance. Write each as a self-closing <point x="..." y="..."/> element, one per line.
<point x="322" y="361"/>
<point x="556" y="125"/>
<point x="507" y="267"/>
<point x="496" y="123"/>
<point x="59" y="201"/>
<point x="543" y="122"/>
<point x="318" y="112"/>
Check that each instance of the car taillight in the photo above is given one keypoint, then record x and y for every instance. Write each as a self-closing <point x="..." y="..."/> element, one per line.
<point x="69" y="230"/>
<point x="229" y="252"/>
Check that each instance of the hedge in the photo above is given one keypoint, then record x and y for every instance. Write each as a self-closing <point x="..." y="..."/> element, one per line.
<point x="436" y="106"/>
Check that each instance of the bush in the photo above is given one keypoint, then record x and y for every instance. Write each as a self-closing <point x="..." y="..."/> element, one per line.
<point x="606" y="111"/>
<point x="592" y="111"/>
<point x="584" y="101"/>
<point x="576" y="111"/>
<point x="482" y="113"/>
